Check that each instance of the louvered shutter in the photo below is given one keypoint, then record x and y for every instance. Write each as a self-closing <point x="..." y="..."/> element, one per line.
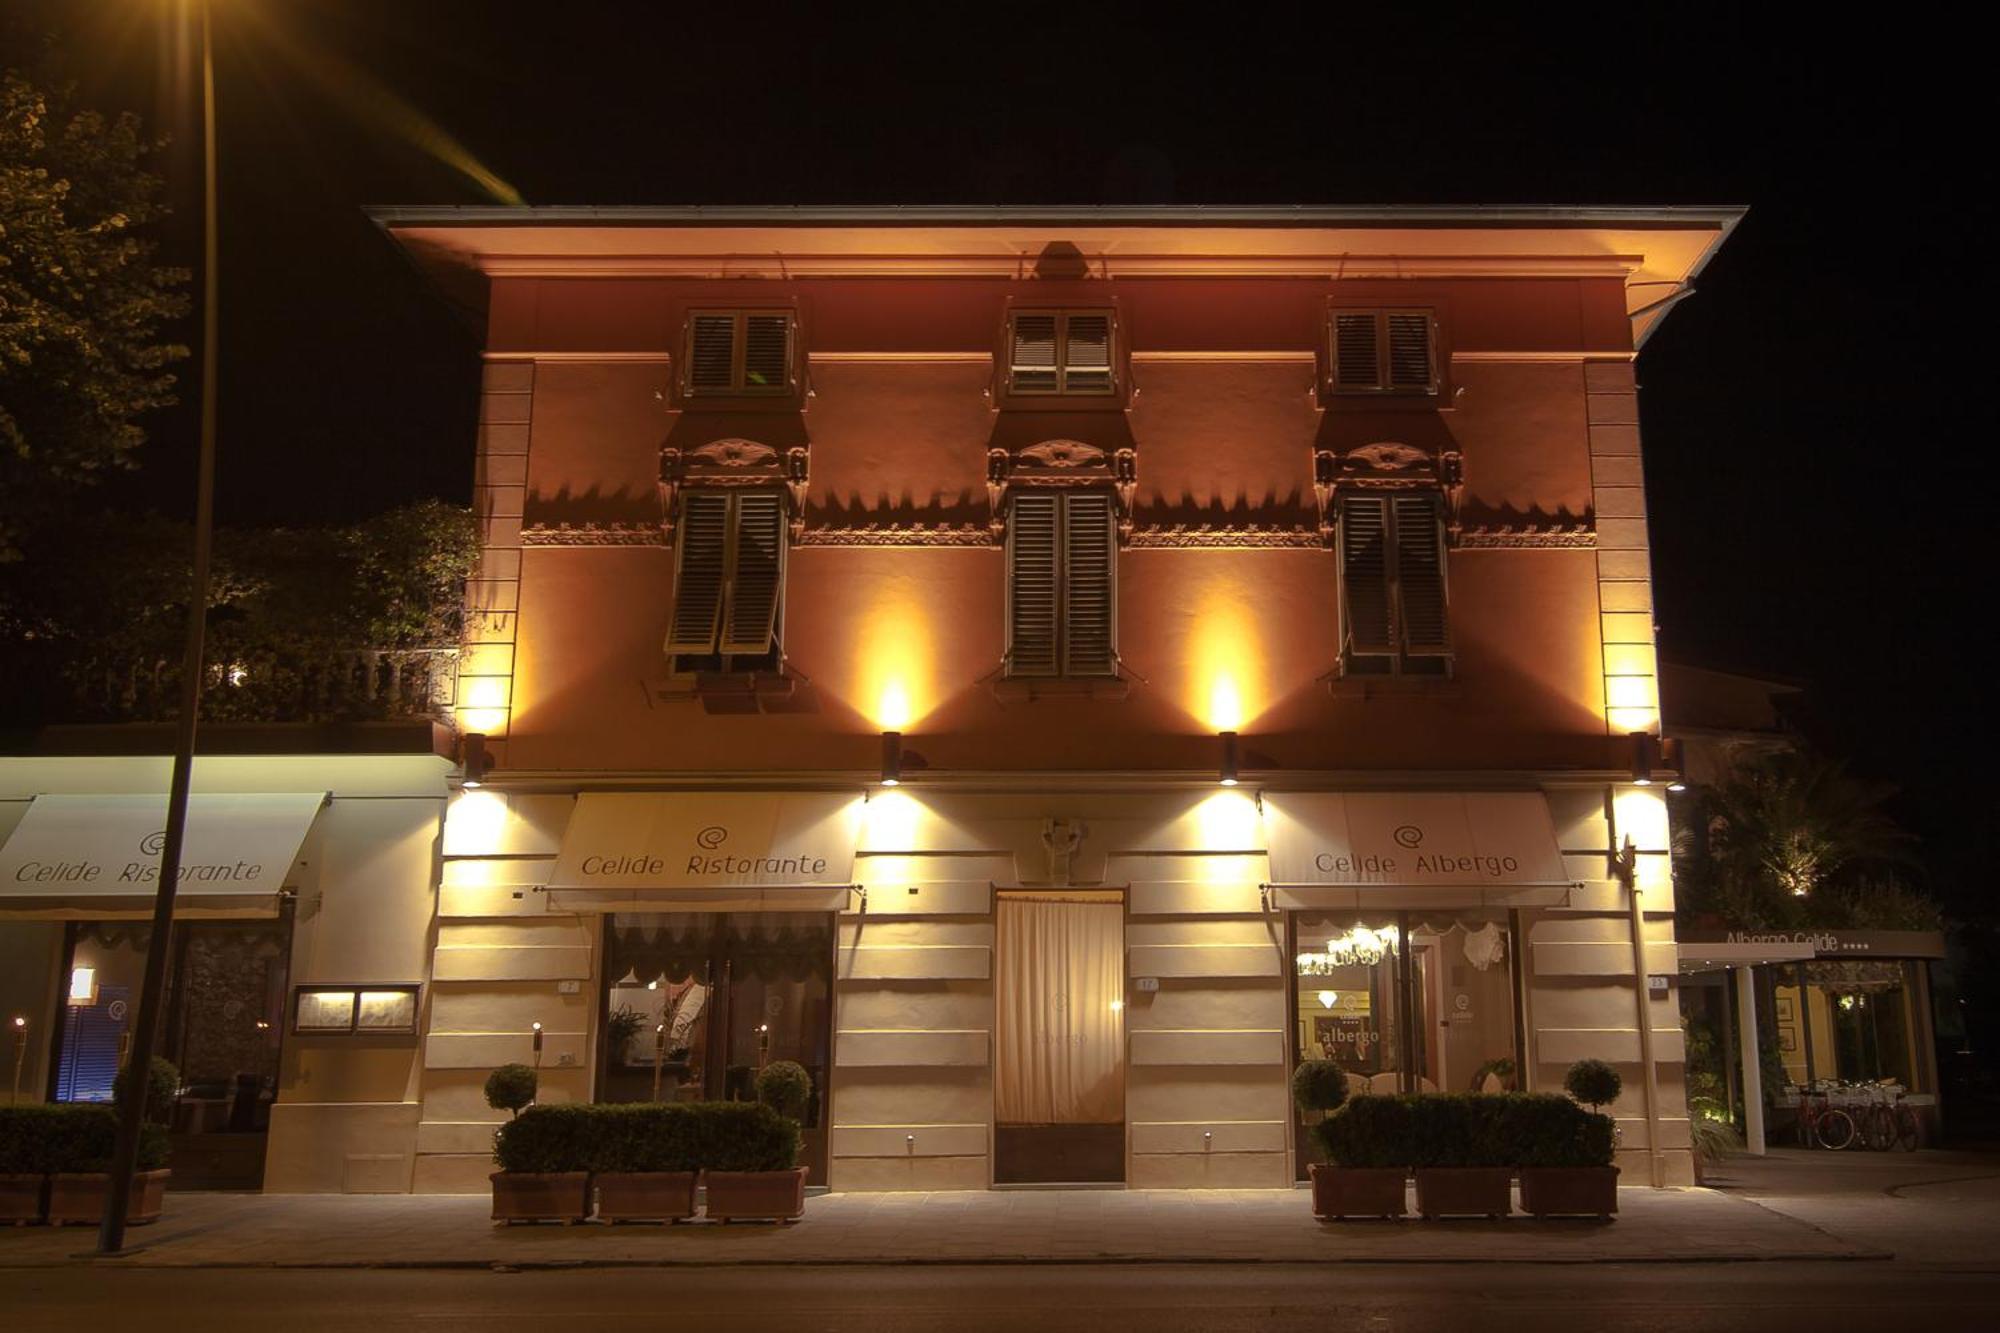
<point x="1032" y="354"/>
<point x="1365" y="592"/>
<point x="711" y="353"/>
<point x="757" y="573"/>
<point x="1356" y="354"/>
<point x="1034" y="588"/>
<point x="1090" y="610"/>
<point x="1420" y="578"/>
<point x="1087" y="353"/>
<point x="701" y="545"/>
<point x="1411" y="365"/>
<point x="767" y="352"/>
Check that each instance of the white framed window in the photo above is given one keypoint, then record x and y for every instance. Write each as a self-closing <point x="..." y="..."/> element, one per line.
<point x="729" y="580"/>
<point x="1394" y="607"/>
<point x="1062" y="352"/>
<point x="1382" y="351"/>
<point x="1062" y="585"/>
<point x="741" y="352"/>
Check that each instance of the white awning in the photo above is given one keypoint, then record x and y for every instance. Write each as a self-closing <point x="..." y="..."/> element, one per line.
<point x="91" y="857"/>
<point x="1416" y="849"/>
<point x="707" y="850"/>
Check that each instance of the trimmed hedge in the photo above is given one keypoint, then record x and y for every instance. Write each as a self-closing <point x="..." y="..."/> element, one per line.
<point x="44" y="1138"/>
<point x="648" y="1136"/>
<point x="1465" y="1129"/>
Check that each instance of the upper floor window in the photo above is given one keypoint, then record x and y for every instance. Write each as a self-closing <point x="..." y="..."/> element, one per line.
<point x="729" y="580"/>
<point x="1061" y="352"/>
<point x="1393" y="607"/>
<point x="1062" y="568"/>
<point x="1383" y="351"/>
<point x="739" y="352"/>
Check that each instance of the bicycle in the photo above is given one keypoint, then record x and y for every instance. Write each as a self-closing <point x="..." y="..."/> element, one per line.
<point x="1885" y="1122"/>
<point x="1821" y="1124"/>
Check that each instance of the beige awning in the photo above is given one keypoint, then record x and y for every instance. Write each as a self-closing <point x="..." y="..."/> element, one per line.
<point x="1715" y="957"/>
<point x="1415" y="849"/>
<point x="76" y="858"/>
<point x="707" y="850"/>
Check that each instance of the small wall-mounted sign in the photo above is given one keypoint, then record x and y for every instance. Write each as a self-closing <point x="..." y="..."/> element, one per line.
<point x="355" y="1010"/>
<point x="1146" y="985"/>
<point x="1657" y="985"/>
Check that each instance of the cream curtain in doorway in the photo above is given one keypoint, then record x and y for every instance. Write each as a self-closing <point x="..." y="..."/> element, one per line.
<point x="1060" y="1026"/>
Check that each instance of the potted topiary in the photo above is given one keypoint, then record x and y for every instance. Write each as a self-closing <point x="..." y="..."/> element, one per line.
<point x="543" y="1155"/>
<point x="1367" y="1147"/>
<point x="86" y="1138"/>
<point x="1594" y="1083"/>
<point x="1564" y="1153"/>
<point x="1464" y="1164"/>
<point x="750" y="1150"/>
<point x="29" y="1139"/>
<point x="643" y="1158"/>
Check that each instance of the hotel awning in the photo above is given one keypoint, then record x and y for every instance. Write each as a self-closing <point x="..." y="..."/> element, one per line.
<point x="1413" y="849"/>
<point x="1717" y="957"/>
<point x="76" y="858"/>
<point x="704" y="851"/>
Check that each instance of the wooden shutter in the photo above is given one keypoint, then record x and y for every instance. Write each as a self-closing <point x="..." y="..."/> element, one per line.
<point x="756" y="573"/>
<point x="1034" y="585"/>
<point x="1420" y="580"/>
<point x="1411" y="365"/>
<point x="1087" y="353"/>
<point x="711" y="353"/>
<point x="1032" y="353"/>
<point x="1366" y="596"/>
<point x="1090" y="604"/>
<point x="767" y="352"/>
<point x="1356" y="350"/>
<point x="700" y="551"/>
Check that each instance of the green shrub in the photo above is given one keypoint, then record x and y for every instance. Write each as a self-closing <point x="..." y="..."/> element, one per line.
<point x="1460" y="1129"/>
<point x="511" y="1087"/>
<point x="163" y="1085"/>
<point x="648" y="1136"/>
<point x="785" y="1087"/>
<point x="1319" y="1085"/>
<point x="1368" y="1131"/>
<point x="1593" y="1082"/>
<point x="1544" y="1129"/>
<point x="42" y="1139"/>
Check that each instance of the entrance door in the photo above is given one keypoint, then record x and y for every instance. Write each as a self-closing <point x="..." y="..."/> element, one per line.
<point x="1059" y="1040"/>
<point x="699" y="1003"/>
<point x="225" y="1010"/>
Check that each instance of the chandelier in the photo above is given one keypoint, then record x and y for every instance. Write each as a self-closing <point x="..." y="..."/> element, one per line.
<point x="1361" y="946"/>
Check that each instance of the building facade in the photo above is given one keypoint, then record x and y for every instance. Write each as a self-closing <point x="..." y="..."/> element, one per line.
<point x="1048" y="672"/>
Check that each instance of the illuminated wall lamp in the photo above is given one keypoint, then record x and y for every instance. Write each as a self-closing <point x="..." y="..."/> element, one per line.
<point x="892" y="758"/>
<point x="1642" y="759"/>
<point x="1675" y="755"/>
<point x="475" y="760"/>
<point x="1227" y="774"/>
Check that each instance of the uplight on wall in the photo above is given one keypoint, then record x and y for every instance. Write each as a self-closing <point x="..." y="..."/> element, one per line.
<point x="892" y="758"/>
<point x="1231" y="759"/>
<point x="476" y="760"/>
<point x="1642" y="759"/>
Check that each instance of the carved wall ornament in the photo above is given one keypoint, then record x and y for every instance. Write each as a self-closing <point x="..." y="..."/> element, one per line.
<point x="1060" y="463"/>
<point x="1063" y="454"/>
<point x="1386" y="466"/>
<point x="898" y="534"/>
<point x="594" y="534"/>
<point x="1222" y="536"/>
<point x="734" y="462"/>
<point x="735" y="454"/>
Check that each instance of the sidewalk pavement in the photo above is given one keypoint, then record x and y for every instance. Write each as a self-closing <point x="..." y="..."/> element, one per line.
<point x="1001" y="1226"/>
<point x="1941" y="1208"/>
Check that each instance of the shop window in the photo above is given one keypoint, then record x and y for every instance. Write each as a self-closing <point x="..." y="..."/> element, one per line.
<point x="733" y="353"/>
<point x="1064" y="352"/>
<point x="1394" y="607"/>
<point x="1850" y="1021"/>
<point x="729" y="581"/>
<point x="1062" y="605"/>
<point x="1383" y="351"/>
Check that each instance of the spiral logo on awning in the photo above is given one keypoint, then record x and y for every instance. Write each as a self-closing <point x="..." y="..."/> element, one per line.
<point x="1408" y="835"/>
<point x="712" y="837"/>
<point x="152" y="843"/>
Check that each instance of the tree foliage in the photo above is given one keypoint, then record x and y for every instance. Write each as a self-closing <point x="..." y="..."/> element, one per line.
<point x="83" y="300"/>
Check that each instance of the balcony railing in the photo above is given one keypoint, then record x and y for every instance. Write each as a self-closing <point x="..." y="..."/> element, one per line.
<point x="258" y="686"/>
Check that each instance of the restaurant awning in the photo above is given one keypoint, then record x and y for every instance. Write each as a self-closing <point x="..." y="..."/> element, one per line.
<point x="705" y="851"/>
<point x="75" y="858"/>
<point x="1413" y="849"/>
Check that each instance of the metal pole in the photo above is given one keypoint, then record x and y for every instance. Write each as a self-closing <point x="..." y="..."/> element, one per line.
<point x="1629" y="860"/>
<point x="132" y="1106"/>
<point x="1753" y="1063"/>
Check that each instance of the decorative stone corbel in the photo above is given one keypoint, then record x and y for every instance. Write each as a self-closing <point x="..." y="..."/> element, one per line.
<point x="998" y="463"/>
<point x="669" y="487"/>
<point x="1125" y="480"/>
<point x="798" y="466"/>
<point x="1451" y="480"/>
<point x="1326" y="479"/>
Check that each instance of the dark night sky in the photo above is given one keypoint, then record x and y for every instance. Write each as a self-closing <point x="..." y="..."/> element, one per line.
<point x="1805" y="414"/>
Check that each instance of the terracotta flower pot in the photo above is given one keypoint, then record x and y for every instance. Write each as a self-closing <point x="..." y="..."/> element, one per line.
<point x="645" y="1196"/>
<point x="1464" y="1190"/>
<point x="23" y="1199"/>
<point x="776" y="1196"/>
<point x="79" y="1196"/>
<point x="1555" y="1191"/>
<point x="1357" y="1191"/>
<point x="535" y="1196"/>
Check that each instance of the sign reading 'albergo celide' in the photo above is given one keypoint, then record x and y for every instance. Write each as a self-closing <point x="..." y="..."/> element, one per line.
<point x="702" y="840"/>
<point x="1441" y="839"/>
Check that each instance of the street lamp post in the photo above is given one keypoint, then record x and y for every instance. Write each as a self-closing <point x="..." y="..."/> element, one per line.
<point x="132" y="1102"/>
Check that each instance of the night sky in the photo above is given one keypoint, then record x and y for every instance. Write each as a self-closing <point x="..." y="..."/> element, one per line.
<point x="1811" y="443"/>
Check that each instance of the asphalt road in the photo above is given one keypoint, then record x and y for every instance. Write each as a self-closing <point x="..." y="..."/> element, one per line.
<point x="1048" y="1299"/>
